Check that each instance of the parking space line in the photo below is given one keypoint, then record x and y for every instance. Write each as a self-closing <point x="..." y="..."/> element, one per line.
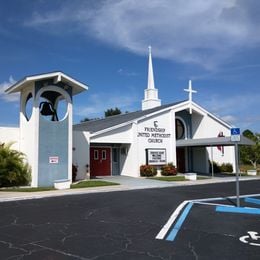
<point x="212" y="204"/>
<point x="207" y="201"/>
<point x="171" y="220"/>
<point x="238" y="210"/>
<point x="179" y="223"/>
<point x="252" y="200"/>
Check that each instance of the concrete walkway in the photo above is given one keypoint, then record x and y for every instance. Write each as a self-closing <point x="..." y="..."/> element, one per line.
<point x="126" y="183"/>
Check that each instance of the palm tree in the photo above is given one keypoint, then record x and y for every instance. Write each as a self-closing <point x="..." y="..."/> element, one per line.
<point x="14" y="171"/>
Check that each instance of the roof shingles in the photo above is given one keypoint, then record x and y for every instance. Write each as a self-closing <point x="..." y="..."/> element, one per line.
<point x="93" y="126"/>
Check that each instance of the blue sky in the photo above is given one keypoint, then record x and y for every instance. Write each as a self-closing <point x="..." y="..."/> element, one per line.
<point x="215" y="43"/>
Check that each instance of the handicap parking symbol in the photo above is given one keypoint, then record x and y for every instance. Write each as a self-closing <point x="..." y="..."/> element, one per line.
<point x="251" y="238"/>
<point x="235" y="131"/>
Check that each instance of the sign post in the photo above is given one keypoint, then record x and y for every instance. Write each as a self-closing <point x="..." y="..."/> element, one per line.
<point x="235" y="137"/>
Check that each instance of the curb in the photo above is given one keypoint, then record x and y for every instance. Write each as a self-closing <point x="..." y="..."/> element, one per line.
<point x="17" y="196"/>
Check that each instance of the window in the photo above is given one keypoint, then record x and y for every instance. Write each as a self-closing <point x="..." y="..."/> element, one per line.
<point x="95" y="154"/>
<point x="104" y="154"/>
<point x="180" y="130"/>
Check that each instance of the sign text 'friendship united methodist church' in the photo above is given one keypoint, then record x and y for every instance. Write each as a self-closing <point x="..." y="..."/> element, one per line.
<point x="154" y="134"/>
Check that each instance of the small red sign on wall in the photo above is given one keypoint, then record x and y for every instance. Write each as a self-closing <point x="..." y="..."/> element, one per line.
<point x="54" y="159"/>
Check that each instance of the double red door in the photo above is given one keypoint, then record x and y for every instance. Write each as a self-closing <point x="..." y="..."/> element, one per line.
<point x="100" y="161"/>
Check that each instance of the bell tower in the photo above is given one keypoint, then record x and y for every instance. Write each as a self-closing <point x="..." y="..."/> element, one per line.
<point x="46" y="124"/>
<point x="151" y="93"/>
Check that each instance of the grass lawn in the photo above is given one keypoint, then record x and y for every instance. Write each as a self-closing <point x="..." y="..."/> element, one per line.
<point x="92" y="183"/>
<point x="82" y="184"/>
<point x="169" y="178"/>
<point x="175" y="178"/>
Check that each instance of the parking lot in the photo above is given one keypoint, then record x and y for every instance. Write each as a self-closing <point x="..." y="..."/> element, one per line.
<point x="216" y="227"/>
<point x="124" y="225"/>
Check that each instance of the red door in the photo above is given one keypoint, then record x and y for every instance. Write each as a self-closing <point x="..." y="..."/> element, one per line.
<point x="180" y="159"/>
<point x="100" y="161"/>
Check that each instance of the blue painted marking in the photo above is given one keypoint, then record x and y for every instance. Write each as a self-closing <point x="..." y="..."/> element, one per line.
<point x="238" y="210"/>
<point x="179" y="223"/>
<point x="252" y="200"/>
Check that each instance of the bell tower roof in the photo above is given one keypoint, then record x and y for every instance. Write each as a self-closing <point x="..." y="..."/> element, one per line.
<point x="57" y="76"/>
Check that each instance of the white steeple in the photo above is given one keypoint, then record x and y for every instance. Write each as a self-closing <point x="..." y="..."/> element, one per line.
<point x="151" y="93"/>
<point x="190" y="90"/>
<point x="150" y="83"/>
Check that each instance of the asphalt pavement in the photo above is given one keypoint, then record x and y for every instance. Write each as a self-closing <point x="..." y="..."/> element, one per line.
<point x="124" y="225"/>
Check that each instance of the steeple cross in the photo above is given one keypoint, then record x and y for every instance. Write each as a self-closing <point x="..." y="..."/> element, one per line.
<point x="191" y="91"/>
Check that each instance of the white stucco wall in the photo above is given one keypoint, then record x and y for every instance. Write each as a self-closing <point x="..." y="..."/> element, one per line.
<point x="29" y="136"/>
<point x="80" y="156"/>
<point x="10" y="134"/>
<point x="208" y="127"/>
<point x="162" y="138"/>
<point x="120" y="135"/>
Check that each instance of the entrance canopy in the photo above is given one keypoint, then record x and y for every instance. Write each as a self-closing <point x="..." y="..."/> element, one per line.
<point x="215" y="141"/>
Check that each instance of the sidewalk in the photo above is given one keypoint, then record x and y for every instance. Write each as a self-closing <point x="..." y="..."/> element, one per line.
<point x="126" y="184"/>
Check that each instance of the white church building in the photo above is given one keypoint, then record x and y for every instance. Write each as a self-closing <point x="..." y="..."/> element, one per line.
<point x="182" y="133"/>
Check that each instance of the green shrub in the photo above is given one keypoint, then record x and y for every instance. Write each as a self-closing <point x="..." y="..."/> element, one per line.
<point x="13" y="170"/>
<point x="148" y="170"/>
<point x="226" y="167"/>
<point x="168" y="170"/>
<point x="216" y="167"/>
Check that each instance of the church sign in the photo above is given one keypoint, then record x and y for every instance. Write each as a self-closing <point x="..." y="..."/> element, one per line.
<point x="156" y="156"/>
<point x="154" y="134"/>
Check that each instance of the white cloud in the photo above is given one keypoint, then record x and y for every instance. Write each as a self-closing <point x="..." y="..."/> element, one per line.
<point x="229" y="118"/>
<point x="204" y="32"/>
<point x="239" y="110"/>
<point x="124" y="72"/>
<point x="8" y="97"/>
<point x="233" y="103"/>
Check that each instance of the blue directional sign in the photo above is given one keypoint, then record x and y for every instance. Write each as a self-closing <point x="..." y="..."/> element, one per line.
<point x="235" y="134"/>
<point x="235" y="131"/>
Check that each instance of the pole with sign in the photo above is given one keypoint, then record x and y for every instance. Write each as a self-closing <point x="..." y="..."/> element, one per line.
<point x="235" y="137"/>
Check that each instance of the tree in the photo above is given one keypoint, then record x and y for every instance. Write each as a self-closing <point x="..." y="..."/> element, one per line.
<point x="112" y="112"/>
<point x="14" y="171"/>
<point x="251" y="154"/>
<point x="86" y="119"/>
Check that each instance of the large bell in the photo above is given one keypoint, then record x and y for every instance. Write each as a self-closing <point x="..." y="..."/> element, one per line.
<point x="47" y="109"/>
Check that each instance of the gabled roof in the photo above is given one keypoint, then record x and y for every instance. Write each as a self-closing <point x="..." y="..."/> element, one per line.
<point x="111" y="121"/>
<point x="95" y="126"/>
<point x="57" y="76"/>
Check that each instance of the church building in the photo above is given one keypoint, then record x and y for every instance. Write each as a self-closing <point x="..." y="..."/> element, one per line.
<point x="182" y="133"/>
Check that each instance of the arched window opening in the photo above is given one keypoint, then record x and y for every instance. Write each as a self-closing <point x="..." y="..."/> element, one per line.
<point x="179" y="129"/>
<point x="53" y="106"/>
<point x="28" y="107"/>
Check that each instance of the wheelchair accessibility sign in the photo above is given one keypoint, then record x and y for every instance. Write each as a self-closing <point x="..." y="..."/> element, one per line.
<point x="252" y="238"/>
<point x="235" y="134"/>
